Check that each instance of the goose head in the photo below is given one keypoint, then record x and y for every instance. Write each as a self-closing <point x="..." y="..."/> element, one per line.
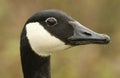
<point x="53" y="30"/>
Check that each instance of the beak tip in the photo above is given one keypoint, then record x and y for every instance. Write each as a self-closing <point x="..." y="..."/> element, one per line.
<point x="107" y="39"/>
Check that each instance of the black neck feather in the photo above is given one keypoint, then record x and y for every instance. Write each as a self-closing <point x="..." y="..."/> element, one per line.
<point x="33" y="65"/>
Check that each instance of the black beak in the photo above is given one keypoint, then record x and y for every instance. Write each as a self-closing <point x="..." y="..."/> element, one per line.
<point x="83" y="35"/>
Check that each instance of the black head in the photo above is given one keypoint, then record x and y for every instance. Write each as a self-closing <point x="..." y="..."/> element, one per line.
<point x="51" y="30"/>
<point x="55" y="22"/>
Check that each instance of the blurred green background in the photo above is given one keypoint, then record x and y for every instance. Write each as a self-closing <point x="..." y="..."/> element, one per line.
<point x="88" y="61"/>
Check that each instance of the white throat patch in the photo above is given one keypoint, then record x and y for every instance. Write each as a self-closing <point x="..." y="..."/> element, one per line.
<point x="41" y="41"/>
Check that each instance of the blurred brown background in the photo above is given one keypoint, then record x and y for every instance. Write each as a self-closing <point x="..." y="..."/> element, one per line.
<point x="89" y="61"/>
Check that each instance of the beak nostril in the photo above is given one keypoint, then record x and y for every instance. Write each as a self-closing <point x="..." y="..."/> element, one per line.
<point x="87" y="34"/>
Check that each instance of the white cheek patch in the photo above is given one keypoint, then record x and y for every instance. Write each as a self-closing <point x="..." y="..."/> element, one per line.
<point x="41" y="41"/>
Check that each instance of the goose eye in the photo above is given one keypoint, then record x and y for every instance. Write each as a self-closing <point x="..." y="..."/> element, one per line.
<point x="51" y="21"/>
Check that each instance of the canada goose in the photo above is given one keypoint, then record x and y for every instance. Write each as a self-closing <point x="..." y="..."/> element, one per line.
<point x="49" y="31"/>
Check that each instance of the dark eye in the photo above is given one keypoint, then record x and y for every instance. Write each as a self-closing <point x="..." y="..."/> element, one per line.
<point x="51" y="21"/>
